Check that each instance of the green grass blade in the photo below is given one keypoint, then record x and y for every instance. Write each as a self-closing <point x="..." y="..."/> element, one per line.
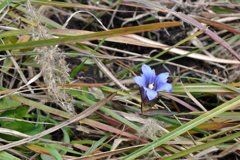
<point x="97" y="144"/>
<point x="111" y="113"/>
<point x="204" y="88"/>
<point x="203" y="146"/>
<point x="40" y="106"/>
<point x="7" y="156"/>
<point x="54" y="152"/>
<point x="4" y="4"/>
<point x="177" y="123"/>
<point x="182" y="129"/>
<point x="77" y="69"/>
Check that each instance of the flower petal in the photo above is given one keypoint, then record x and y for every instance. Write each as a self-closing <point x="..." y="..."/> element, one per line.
<point x="140" y="80"/>
<point x="165" y="87"/>
<point x="148" y="73"/>
<point x="151" y="94"/>
<point x="162" y="78"/>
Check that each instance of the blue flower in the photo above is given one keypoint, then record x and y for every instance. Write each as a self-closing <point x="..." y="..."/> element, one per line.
<point x="152" y="83"/>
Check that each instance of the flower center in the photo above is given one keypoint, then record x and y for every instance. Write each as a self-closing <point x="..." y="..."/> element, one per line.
<point x="151" y="86"/>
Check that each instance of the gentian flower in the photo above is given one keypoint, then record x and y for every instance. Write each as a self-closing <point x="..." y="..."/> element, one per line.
<point x="151" y="83"/>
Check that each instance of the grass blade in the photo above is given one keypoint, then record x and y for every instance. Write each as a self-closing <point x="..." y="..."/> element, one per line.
<point x="88" y="37"/>
<point x="203" y="146"/>
<point x="180" y="130"/>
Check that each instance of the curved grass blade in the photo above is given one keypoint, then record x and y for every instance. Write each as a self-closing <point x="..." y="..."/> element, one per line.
<point x="210" y="33"/>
